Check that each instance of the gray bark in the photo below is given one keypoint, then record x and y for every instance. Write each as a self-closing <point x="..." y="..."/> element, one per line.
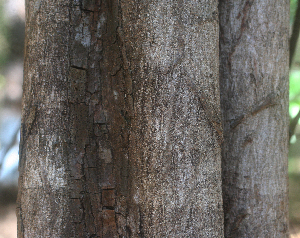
<point x="176" y="126"/>
<point x="121" y="125"/>
<point x="254" y="99"/>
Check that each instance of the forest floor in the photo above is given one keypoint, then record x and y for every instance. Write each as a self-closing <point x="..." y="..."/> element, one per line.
<point x="294" y="204"/>
<point x="294" y="230"/>
<point x="8" y="221"/>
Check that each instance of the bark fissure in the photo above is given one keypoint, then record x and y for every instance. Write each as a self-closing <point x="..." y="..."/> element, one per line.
<point x="129" y="148"/>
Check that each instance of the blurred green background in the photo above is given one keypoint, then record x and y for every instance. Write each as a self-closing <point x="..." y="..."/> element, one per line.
<point x="12" y="17"/>
<point x="294" y="153"/>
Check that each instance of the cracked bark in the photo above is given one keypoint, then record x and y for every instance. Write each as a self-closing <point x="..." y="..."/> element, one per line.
<point x="254" y="101"/>
<point x="121" y="124"/>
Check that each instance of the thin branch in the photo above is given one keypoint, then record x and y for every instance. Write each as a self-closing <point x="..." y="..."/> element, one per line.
<point x="293" y="125"/>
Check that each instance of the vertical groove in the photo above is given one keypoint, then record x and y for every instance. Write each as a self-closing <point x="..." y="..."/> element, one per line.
<point x="121" y="117"/>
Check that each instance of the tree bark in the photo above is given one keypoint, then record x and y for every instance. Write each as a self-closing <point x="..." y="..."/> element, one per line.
<point x="254" y="56"/>
<point x="121" y="125"/>
<point x="176" y="127"/>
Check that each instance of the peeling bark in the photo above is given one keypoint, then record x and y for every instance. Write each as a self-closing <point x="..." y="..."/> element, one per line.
<point x="254" y="57"/>
<point x="121" y="122"/>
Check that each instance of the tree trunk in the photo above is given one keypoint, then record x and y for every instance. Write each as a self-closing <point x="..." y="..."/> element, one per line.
<point x="254" y="99"/>
<point x="121" y="125"/>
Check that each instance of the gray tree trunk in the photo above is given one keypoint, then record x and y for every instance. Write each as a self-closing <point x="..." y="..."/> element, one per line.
<point x="254" y="99"/>
<point x="121" y="125"/>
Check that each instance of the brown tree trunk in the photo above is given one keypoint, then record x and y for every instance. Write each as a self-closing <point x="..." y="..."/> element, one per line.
<point x="176" y="128"/>
<point x="121" y="127"/>
<point x="254" y="99"/>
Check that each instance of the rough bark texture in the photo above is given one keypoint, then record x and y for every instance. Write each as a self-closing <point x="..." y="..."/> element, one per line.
<point x="121" y="125"/>
<point x="254" y="99"/>
<point x="176" y="127"/>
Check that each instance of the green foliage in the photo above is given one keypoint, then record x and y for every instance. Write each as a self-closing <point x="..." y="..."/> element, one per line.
<point x="294" y="92"/>
<point x="295" y="86"/>
<point x="294" y="74"/>
<point x="293" y="8"/>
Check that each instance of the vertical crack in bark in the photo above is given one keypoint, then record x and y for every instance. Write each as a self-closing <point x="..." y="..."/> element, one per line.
<point x="96" y="73"/>
<point x="244" y="13"/>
